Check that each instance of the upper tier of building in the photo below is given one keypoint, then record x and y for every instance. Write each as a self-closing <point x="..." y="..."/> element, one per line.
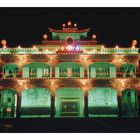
<point x="69" y="40"/>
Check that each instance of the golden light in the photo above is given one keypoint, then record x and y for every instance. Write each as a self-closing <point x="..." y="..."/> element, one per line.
<point x="34" y="47"/>
<point x="69" y="23"/>
<point x="133" y="47"/>
<point x="134" y="42"/>
<point x="45" y="36"/>
<point x="62" y="48"/>
<point x="51" y="58"/>
<point x="85" y="58"/>
<point x="75" y="25"/>
<point x="84" y="83"/>
<point x="103" y="47"/>
<point x="116" y="46"/>
<point x="94" y="36"/>
<point x="3" y="42"/>
<point x="21" y="83"/>
<point x="19" y="47"/>
<point x="52" y="83"/>
<point x="120" y="59"/>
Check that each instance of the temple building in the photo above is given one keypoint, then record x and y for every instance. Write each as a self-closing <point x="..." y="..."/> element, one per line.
<point x="70" y="75"/>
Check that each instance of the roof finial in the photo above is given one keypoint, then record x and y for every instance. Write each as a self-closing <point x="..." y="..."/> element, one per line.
<point x="69" y="23"/>
<point x="4" y="42"/>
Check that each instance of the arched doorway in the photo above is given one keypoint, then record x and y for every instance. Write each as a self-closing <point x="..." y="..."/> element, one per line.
<point x="10" y="70"/>
<point x="129" y="103"/>
<point x="8" y="103"/>
<point x="69" y="70"/>
<point x="37" y="70"/>
<point x="69" y="102"/>
<point x="102" y="70"/>
<point x="102" y="102"/>
<point x="35" y="102"/>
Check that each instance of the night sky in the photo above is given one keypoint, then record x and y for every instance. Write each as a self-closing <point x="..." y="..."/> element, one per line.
<point x="113" y="26"/>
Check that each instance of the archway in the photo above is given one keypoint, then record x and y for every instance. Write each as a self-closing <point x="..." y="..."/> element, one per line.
<point x="102" y="102"/>
<point x="10" y="70"/>
<point x="129" y="103"/>
<point x="69" y="102"/>
<point x="102" y="70"/>
<point x="37" y="70"/>
<point x="69" y="70"/>
<point x="8" y="100"/>
<point x="35" y="102"/>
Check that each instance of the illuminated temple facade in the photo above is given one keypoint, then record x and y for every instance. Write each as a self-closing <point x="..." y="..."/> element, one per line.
<point x="71" y="75"/>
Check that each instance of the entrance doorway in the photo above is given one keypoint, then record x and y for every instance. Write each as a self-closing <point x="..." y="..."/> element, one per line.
<point x="69" y="102"/>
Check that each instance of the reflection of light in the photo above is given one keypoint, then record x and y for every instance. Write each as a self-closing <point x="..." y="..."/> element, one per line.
<point x="51" y="58"/>
<point x="52" y="83"/>
<point x="69" y="47"/>
<point x="120" y="59"/>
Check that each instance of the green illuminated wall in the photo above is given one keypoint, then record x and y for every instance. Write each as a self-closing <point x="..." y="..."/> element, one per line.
<point x="128" y="70"/>
<point x="9" y="70"/>
<point x="102" y="102"/>
<point x="36" y="102"/>
<point x="69" y="102"/>
<point x="7" y="104"/>
<point x="69" y="70"/>
<point x="37" y="69"/>
<point x="129" y="103"/>
<point x="101" y="70"/>
<point x="63" y="36"/>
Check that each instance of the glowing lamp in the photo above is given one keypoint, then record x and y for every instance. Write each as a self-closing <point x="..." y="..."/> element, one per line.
<point x="94" y="36"/>
<point x="62" y="48"/>
<point x="102" y="46"/>
<point x="63" y="25"/>
<point x="45" y="36"/>
<point x="77" y="48"/>
<point x="116" y="46"/>
<point x="134" y="42"/>
<point x="19" y="47"/>
<point x="75" y="25"/>
<point x="69" y="23"/>
<point x="3" y="42"/>
<point x="69" y="47"/>
<point x="84" y="83"/>
<point x="34" y="47"/>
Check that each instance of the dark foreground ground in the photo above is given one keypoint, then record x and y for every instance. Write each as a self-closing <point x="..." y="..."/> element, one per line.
<point x="70" y="125"/>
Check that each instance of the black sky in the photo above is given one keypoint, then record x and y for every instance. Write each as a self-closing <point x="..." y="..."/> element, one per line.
<point x="25" y="26"/>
